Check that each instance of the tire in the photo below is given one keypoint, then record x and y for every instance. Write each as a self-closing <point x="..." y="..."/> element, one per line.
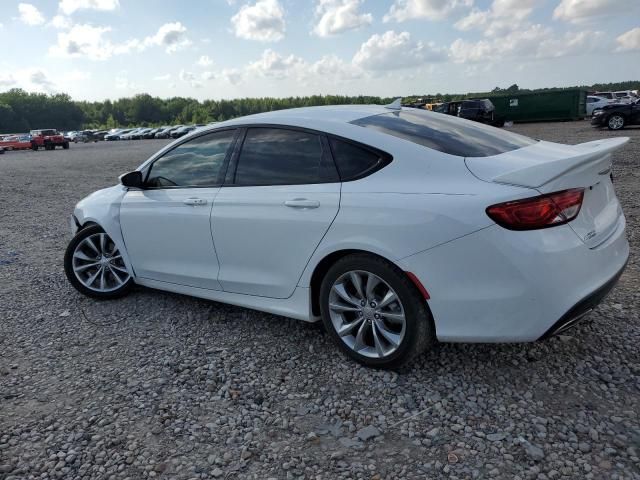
<point x="411" y="335"/>
<point x="34" y="147"/>
<point x="65" y="145"/>
<point x="615" y="122"/>
<point x="83" y="265"/>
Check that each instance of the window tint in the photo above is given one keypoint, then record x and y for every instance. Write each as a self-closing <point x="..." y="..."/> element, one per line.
<point x="446" y="134"/>
<point x="275" y="156"/>
<point x="354" y="161"/>
<point x="194" y="163"/>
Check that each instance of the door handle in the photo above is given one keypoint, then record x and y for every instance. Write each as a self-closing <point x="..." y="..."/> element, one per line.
<point x="302" y="203"/>
<point x="195" y="201"/>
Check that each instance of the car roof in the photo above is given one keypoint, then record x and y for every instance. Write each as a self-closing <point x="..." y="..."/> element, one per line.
<point x="307" y="116"/>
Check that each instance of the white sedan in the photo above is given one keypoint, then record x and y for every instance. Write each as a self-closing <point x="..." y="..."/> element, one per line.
<point x="395" y="227"/>
<point x="595" y="103"/>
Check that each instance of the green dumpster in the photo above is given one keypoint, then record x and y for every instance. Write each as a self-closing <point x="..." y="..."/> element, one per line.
<point x="555" y="105"/>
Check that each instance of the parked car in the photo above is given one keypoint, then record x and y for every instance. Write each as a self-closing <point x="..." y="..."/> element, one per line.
<point x="180" y="132"/>
<point x="166" y="133"/>
<point x="48" y="139"/>
<point x="478" y="110"/>
<point x="16" y="142"/>
<point x="594" y="103"/>
<point x="395" y="227"/>
<point x="138" y="134"/>
<point x="116" y="134"/>
<point x="100" y="134"/>
<point x="130" y="134"/>
<point x="616" y="116"/>
<point x="152" y="132"/>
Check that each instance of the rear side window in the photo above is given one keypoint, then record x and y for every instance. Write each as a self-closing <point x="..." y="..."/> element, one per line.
<point x="354" y="161"/>
<point x="277" y="156"/>
<point x="195" y="163"/>
<point x="446" y="134"/>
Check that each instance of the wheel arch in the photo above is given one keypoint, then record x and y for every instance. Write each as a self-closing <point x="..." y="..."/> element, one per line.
<point x="322" y="267"/>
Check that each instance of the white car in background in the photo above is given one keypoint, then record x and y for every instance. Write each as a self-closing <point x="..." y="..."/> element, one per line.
<point x="395" y="226"/>
<point x="594" y="103"/>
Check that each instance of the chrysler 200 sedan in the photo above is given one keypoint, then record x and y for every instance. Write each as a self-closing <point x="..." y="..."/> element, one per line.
<point x="395" y="227"/>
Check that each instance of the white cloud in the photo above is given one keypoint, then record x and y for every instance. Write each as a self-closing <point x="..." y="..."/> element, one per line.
<point x="30" y="15"/>
<point x="84" y="40"/>
<point x="205" y="61"/>
<point x="123" y="82"/>
<point x="502" y="17"/>
<point x="208" y="75"/>
<point x="262" y="21"/>
<point x="581" y="11"/>
<point x="272" y="64"/>
<point x="333" y="67"/>
<point x="190" y="78"/>
<point x="392" y="50"/>
<point x="163" y="78"/>
<point x="61" y="22"/>
<point x="171" y="36"/>
<point x="232" y="75"/>
<point x="403" y="10"/>
<point x="70" y="6"/>
<point x="535" y="42"/>
<point x="629" y="40"/>
<point x="7" y="80"/>
<point x="337" y="16"/>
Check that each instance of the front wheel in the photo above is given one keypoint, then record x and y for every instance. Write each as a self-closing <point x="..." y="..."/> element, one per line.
<point x="616" y="122"/>
<point x="94" y="266"/>
<point x="374" y="312"/>
<point x="65" y="145"/>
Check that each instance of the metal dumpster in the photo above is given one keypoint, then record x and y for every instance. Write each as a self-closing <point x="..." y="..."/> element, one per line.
<point x="546" y="106"/>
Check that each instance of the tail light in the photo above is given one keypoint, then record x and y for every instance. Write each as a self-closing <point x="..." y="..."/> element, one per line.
<point x="538" y="212"/>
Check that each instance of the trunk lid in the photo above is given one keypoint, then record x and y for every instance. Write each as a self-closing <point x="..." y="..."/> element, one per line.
<point x="550" y="167"/>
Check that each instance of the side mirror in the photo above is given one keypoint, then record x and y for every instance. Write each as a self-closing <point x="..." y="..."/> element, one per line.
<point x="132" y="179"/>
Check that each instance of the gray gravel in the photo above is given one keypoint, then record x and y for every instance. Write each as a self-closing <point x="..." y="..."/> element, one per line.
<point x="165" y="386"/>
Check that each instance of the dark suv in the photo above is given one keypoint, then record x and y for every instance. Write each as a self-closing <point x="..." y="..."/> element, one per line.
<point x="478" y="110"/>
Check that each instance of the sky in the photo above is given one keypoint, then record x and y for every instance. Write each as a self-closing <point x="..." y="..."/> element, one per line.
<point x="214" y="49"/>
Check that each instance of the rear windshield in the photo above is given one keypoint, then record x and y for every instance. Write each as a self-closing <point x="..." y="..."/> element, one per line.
<point x="445" y="133"/>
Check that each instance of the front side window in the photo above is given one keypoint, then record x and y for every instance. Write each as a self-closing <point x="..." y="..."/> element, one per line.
<point x="277" y="156"/>
<point x="196" y="163"/>
<point x="446" y="134"/>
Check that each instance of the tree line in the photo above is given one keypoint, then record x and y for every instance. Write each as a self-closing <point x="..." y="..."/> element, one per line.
<point x="21" y="111"/>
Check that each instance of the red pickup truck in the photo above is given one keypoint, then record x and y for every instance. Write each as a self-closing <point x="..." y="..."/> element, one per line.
<point x="48" y="139"/>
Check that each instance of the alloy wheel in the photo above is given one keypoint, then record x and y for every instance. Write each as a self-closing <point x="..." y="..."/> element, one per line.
<point x="367" y="314"/>
<point x="98" y="264"/>
<point x="616" y="122"/>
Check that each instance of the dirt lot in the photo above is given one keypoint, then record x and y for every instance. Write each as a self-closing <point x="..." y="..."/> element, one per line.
<point x="164" y="386"/>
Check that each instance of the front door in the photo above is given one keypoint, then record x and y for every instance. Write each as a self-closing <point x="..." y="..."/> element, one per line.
<point x="167" y="225"/>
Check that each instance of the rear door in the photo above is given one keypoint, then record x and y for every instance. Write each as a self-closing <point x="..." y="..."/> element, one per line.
<point x="282" y="194"/>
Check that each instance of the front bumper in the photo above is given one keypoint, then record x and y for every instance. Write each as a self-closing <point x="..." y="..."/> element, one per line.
<point x="599" y="120"/>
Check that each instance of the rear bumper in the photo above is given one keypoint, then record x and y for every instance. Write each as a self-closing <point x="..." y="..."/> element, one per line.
<point x="501" y="286"/>
<point x="583" y="307"/>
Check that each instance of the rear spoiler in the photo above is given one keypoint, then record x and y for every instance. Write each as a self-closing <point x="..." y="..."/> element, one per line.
<point x="577" y="156"/>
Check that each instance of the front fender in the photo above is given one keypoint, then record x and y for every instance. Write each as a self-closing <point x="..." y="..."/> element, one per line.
<point x="103" y="208"/>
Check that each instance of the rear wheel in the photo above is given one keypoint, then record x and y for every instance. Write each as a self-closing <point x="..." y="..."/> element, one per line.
<point x="615" y="122"/>
<point x="65" y="145"/>
<point x="374" y="313"/>
<point x="34" y="147"/>
<point x="94" y="266"/>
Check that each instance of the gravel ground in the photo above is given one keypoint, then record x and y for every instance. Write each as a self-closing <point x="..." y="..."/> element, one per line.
<point x="165" y="386"/>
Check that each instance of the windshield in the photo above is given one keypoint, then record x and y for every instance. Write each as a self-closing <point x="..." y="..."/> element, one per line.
<point x="445" y="133"/>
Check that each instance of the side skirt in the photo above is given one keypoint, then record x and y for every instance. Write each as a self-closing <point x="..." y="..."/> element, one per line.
<point x="296" y="306"/>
